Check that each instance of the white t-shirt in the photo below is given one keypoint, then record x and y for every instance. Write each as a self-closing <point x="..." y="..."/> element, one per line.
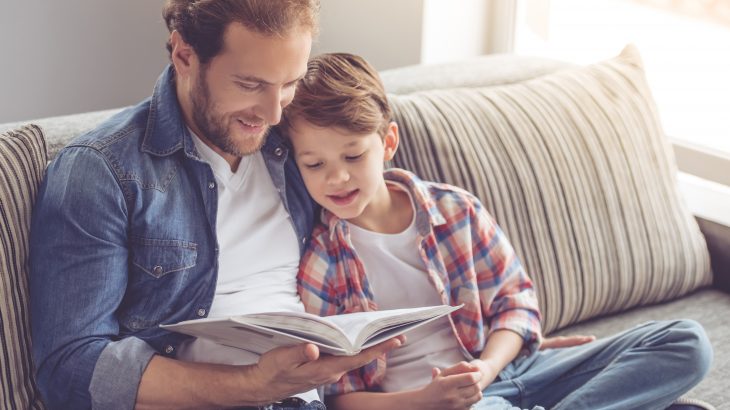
<point x="398" y="279"/>
<point x="259" y="254"/>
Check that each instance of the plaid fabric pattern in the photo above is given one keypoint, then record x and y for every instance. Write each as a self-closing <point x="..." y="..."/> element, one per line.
<point x="462" y="248"/>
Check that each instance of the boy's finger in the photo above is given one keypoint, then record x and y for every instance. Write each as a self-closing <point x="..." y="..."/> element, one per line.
<point x="458" y="381"/>
<point x="461" y="367"/>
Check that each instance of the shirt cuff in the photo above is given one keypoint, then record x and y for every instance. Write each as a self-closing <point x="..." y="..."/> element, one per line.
<point x="118" y="372"/>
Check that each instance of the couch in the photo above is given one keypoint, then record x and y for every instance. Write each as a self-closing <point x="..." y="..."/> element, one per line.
<point x="571" y="161"/>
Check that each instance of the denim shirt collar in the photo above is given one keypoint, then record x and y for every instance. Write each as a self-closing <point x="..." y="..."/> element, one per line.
<point x="166" y="131"/>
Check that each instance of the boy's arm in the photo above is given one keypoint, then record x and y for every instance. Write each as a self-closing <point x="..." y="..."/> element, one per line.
<point x="502" y="347"/>
<point x="506" y="292"/>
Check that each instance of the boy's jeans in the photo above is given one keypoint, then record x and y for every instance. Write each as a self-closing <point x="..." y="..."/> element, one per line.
<point x="646" y="367"/>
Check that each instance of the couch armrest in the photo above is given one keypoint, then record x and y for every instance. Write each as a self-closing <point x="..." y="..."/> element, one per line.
<point x="718" y="243"/>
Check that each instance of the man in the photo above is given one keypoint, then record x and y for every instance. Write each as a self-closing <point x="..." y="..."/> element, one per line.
<point x="184" y="206"/>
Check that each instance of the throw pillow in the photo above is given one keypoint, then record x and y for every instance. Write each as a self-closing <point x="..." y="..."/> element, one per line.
<point x="22" y="162"/>
<point x="575" y="168"/>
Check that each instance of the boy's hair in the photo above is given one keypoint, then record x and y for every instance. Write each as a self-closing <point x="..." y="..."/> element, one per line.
<point x="202" y="23"/>
<point x="340" y="90"/>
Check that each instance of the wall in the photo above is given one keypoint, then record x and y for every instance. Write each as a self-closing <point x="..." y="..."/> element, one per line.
<point x="63" y="57"/>
<point x="388" y="33"/>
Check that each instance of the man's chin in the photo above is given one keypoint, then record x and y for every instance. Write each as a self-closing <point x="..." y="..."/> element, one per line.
<point x="252" y="142"/>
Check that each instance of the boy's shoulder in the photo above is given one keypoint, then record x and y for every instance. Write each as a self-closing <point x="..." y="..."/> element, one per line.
<point x="446" y="198"/>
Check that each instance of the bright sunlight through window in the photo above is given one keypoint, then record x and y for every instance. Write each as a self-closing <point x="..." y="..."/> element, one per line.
<point x="685" y="45"/>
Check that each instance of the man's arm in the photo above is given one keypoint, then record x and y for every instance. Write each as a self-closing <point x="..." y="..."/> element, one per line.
<point x="78" y="276"/>
<point x="280" y="373"/>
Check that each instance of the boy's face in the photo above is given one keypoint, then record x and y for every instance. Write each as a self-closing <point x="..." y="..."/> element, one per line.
<point x="343" y="171"/>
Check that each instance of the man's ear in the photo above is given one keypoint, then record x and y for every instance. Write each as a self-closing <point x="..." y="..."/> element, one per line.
<point x="183" y="55"/>
<point x="390" y="141"/>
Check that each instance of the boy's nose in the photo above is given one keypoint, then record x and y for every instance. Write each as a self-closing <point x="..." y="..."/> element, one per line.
<point x="337" y="176"/>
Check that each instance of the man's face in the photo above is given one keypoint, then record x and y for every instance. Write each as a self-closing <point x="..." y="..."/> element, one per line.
<point x="240" y="93"/>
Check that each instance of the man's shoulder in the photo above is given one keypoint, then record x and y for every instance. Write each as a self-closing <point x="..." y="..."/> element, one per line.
<point x="126" y="127"/>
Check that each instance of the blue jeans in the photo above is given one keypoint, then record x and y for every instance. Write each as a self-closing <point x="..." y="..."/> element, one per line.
<point x="646" y="367"/>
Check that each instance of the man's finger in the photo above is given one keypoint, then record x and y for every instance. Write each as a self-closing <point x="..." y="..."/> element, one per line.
<point x="294" y="356"/>
<point x="372" y="353"/>
<point x="347" y="363"/>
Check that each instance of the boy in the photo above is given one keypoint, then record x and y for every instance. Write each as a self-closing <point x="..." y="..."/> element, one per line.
<point x="389" y="240"/>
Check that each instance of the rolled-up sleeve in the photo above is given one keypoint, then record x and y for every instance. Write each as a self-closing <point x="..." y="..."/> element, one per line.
<point x="506" y="291"/>
<point x="78" y="277"/>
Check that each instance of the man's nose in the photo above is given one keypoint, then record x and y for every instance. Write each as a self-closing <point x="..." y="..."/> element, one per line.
<point x="270" y="106"/>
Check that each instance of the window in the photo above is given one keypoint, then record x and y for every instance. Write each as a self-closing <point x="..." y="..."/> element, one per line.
<point x="685" y="45"/>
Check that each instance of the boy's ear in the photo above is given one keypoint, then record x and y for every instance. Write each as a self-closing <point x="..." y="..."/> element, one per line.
<point x="183" y="55"/>
<point x="390" y="141"/>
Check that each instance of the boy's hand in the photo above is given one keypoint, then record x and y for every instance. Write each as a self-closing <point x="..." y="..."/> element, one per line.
<point x="285" y="371"/>
<point x="487" y="369"/>
<point x="455" y="388"/>
<point x="565" y="341"/>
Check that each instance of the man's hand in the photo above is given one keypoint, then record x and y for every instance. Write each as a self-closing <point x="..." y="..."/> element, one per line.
<point x="454" y="388"/>
<point x="565" y="341"/>
<point x="285" y="371"/>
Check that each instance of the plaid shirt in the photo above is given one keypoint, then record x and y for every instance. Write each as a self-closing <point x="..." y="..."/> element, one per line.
<point x="466" y="255"/>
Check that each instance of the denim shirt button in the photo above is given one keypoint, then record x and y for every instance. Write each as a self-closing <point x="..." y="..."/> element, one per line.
<point x="201" y="312"/>
<point x="211" y="184"/>
<point x="157" y="270"/>
<point x="278" y="151"/>
<point x="304" y="239"/>
<point x="169" y="349"/>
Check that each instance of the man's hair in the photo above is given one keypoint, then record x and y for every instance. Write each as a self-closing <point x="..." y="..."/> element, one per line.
<point x="340" y="90"/>
<point x="202" y="23"/>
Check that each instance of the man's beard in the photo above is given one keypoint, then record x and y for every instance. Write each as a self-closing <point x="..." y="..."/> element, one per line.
<point x="213" y="126"/>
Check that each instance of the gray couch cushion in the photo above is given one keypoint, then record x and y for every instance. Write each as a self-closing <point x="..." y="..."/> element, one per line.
<point x="575" y="168"/>
<point x="709" y="307"/>
<point x="22" y="162"/>
<point x="59" y="131"/>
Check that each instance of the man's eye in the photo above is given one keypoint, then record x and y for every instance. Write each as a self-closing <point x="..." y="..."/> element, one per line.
<point x="248" y="86"/>
<point x="354" y="157"/>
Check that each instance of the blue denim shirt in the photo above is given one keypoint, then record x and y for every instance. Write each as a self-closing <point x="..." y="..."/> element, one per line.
<point x="123" y="239"/>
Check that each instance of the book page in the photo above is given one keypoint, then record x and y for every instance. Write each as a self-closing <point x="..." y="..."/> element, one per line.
<point x="246" y="336"/>
<point x="361" y="326"/>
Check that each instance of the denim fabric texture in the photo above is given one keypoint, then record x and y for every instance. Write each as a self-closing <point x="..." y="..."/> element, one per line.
<point x="643" y="368"/>
<point x="123" y="239"/>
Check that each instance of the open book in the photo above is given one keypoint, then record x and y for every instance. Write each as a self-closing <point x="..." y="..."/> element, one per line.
<point x="338" y="335"/>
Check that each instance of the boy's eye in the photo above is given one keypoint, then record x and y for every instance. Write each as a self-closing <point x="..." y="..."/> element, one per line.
<point x="313" y="166"/>
<point x="354" y="157"/>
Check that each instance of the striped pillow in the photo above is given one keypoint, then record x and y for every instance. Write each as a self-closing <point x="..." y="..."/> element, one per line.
<point x="22" y="162"/>
<point x="575" y="168"/>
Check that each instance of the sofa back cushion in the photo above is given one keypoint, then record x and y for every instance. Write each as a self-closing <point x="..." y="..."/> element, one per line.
<point x="575" y="168"/>
<point x="22" y="162"/>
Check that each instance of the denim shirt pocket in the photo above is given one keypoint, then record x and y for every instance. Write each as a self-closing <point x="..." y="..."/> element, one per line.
<point x="158" y="257"/>
<point x="158" y="272"/>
